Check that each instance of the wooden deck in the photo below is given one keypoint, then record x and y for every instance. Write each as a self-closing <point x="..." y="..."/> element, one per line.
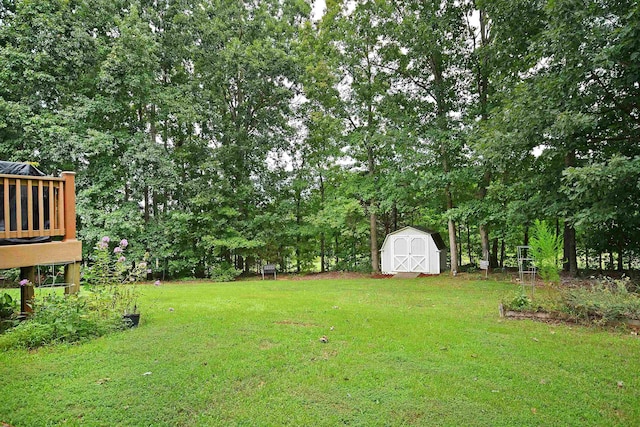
<point x="41" y="206"/>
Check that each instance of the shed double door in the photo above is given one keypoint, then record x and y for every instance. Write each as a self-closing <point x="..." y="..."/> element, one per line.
<point x="410" y="254"/>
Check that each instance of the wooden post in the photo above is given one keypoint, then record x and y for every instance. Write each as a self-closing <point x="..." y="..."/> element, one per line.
<point x="72" y="278"/>
<point x="26" y="291"/>
<point x="69" y="205"/>
<point x="71" y="271"/>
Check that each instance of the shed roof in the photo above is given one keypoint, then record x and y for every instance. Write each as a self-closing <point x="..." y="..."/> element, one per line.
<point x="437" y="238"/>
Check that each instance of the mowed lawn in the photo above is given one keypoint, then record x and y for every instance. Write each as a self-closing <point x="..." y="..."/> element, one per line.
<point x="428" y="351"/>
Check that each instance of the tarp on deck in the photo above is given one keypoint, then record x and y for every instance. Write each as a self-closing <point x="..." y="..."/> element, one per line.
<point x="13" y="168"/>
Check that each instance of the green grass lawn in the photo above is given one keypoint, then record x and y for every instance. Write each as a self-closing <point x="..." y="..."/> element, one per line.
<point x="429" y="351"/>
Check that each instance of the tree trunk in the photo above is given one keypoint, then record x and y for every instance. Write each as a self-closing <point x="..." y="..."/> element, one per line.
<point x="484" y="241"/>
<point x="610" y="260"/>
<point x="394" y="217"/>
<point x="502" y="251"/>
<point x="146" y="204"/>
<point x="459" y="245"/>
<point x="620" y="263"/>
<point x="493" y="261"/>
<point x="323" y="244"/>
<point x="570" y="255"/>
<point x="586" y="258"/>
<point x="454" y="247"/>
<point x="322" y="253"/>
<point x="469" y="244"/>
<point x="127" y="192"/>
<point x="154" y="203"/>
<point x="375" y="259"/>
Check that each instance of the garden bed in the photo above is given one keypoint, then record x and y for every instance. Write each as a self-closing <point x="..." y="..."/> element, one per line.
<point x="565" y="318"/>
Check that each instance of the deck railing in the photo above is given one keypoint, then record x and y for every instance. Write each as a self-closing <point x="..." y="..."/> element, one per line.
<point x="37" y="206"/>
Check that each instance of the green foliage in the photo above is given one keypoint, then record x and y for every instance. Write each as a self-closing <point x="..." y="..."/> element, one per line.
<point x="211" y="131"/>
<point x="607" y="301"/>
<point x="521" y="302"/>
<point x="56" y="318"/>
<point x="11" y="275"/>
<point x="7" y="306"/>
<point x="545" y="248"/>
<point x="8" y="309"/>
<point x="62" y="318"/>
<point x="113" y="278"/>
<point x="224" y="272"/>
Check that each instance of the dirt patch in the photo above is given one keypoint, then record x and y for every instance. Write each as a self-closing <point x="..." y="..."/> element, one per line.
<point x="294" y="323"/>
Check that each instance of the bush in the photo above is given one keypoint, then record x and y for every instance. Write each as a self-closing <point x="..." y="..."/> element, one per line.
<point x="8" y="308"/>
<point x="71" y="318"/>
<point x="225" y="272"/>
<point x="520" y="303"/>
<point x="545" y="247"/>
<point x="11" y="277"/>
<point x="62" y="318"/>
<point x="113" y="278"/>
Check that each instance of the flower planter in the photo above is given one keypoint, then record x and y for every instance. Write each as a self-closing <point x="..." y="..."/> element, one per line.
<point x="132" y="319"/>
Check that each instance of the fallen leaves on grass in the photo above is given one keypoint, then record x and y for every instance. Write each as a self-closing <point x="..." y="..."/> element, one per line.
<point x="103" y="380"/>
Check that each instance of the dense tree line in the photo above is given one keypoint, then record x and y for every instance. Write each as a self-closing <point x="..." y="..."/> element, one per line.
<point x="219" y="134"/>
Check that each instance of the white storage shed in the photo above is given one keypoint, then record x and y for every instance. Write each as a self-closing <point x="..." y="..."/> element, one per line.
<point x="413" y="250"/>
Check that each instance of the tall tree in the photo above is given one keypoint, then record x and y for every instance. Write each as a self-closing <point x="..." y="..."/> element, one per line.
<point x="431" y="37"/>
<point x="357" y="35"/>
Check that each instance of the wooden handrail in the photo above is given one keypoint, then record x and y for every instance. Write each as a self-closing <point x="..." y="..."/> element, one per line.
<point x="37" y="206"/>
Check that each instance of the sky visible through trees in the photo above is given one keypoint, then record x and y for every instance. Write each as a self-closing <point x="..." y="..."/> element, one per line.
<point x="224" y="135"/>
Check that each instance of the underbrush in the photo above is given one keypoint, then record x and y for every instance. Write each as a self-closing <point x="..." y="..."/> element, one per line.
<point x="8" y="308"/>
<point x="609" y="300"/>
<point x="62" y="318"/>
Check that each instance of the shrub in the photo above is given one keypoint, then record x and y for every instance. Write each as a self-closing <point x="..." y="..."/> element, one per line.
<point x="69" y="318"/>
<point x="113" y="278"/>
<point x="224" y="272"/>
<point x="8" y="308"/>
<point x="520" y="302"/>
<point x="545" y="247"/>
<point x="11" y="276"/>
<point x="62" y="318"/>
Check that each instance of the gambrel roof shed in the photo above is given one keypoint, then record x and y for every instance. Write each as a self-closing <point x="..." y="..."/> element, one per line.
<point x="415" y="250"/>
